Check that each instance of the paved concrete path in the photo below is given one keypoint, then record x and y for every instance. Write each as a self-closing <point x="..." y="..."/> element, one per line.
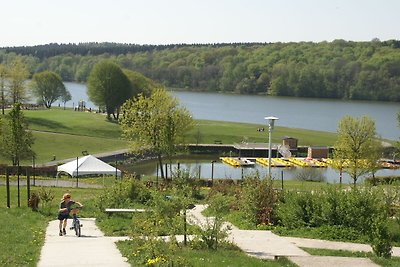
<point x="94" y="249"/>
<point x="267" y="245"/>
<point x="91" y="249"/>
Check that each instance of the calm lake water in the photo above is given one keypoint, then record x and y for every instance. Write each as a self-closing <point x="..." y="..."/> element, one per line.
<point x="314" y="114"/>
<point x="200" y="166"/>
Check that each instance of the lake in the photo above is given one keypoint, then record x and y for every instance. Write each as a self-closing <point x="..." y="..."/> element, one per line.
<point x="315" y="114"/>
<point x="201" y="166"/>
<point x="304" y="113"/>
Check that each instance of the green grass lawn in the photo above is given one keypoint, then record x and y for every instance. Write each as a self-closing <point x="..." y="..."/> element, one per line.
<point x="22" y="236"/>
<point x="72" y="122"/>
<point x="66" y="133"/>
<point x="230" y="132"/>
<point x="65" y="146"/>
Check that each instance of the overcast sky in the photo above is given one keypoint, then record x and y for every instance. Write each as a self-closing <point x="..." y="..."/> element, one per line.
<point x="32" y="22"/>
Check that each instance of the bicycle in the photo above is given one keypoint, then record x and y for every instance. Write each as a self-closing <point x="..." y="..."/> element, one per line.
<point x="76" y="224"/>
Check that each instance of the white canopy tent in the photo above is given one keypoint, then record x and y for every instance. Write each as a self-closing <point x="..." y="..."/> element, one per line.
<point x="88" y="165"/>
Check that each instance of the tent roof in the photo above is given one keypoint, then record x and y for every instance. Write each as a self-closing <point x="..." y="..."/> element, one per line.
<point x="87" y="165"/>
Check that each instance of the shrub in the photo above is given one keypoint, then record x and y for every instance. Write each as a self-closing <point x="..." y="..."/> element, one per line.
<point x="354" y="209"/>
<point x="380" y="238"/>
<point x="138" y="192"/>
<point x="257" y="200"/>
<point x="300" y="209"/>
<point x="212" y="233"/>
<point x="332" y="207"/>
<point x="361" y="206"/>
<point x="33" y="201"/>
<point x="124" y="194"/>
<point x="309" y="175"/>
<point x="46" y="196"/>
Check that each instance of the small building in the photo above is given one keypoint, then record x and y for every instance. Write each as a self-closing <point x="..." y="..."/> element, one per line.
<point x="318" y="152"/>
<point x="290" y="142"/>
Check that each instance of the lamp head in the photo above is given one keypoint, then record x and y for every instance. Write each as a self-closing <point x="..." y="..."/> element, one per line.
<point x="271" y="120"/>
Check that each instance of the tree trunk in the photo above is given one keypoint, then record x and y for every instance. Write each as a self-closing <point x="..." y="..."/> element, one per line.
<point x="161" y="166"/>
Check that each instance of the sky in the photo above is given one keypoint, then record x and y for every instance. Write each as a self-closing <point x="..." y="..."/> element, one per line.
<point x="35" y="22"/>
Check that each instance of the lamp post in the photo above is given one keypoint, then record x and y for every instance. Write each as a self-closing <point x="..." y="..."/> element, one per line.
<point x="271" y="121"/>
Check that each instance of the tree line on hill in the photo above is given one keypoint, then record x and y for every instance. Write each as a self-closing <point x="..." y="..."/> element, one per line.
<point x="339" y="69"/>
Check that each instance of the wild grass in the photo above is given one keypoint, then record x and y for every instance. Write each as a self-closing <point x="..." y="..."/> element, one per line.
<point x="204" y="257"/>
<point x="22" y="236"/>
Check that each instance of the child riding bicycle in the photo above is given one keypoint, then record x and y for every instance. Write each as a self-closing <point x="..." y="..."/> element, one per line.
<point x="63" y="213"/>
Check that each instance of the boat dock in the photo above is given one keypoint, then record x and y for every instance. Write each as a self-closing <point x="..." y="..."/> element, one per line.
<point x="237" y="162"/>
<point x="275" y="162"/>
<point x="292" y="162"/>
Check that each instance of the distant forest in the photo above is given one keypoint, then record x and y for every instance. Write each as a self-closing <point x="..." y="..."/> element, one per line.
<point x="339" y="69"/>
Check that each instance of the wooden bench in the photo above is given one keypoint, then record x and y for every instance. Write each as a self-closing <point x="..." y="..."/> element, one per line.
<point x="111" y="211"/>
<point x="217" y="142"/>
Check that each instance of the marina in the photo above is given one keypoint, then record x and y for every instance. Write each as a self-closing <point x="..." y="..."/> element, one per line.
<point x="298" y="162"/>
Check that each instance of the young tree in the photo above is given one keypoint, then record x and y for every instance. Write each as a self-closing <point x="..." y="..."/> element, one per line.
<point x="47" y="86"/>
<point x="3" y="77"/>
<point x="108" y="86"/>
<point x="357" y="146"/>
<point x="156" y="123"/>
<point x="15" y="139"/>
<point x="17" y="75"/>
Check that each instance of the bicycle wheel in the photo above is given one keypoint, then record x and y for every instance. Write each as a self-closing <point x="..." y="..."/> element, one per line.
<point x="77" y="228"/>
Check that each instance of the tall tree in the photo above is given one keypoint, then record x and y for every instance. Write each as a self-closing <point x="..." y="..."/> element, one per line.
<point x="47" y="86"/>
<point x="156" y="123"/>
<point x="140" y="83"/>
<point x="357" y="146"/>
<point x="108" y="87"/>
<point x="17" y="75"/>
<point x="3" y="77"/>
<point x="15" y="139"/>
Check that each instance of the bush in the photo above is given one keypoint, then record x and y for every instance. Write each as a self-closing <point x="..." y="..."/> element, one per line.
<point x="138" y="192"/>
<point x="361" y="206"/>
<point x="309" y="175"/>
<point x="257" y="200"/>
<point x="355" y="209"/>
<point x="325" y="232"/>
<point x="380" y="238"/>
<point x="227" y="187"/>
<point x="300" y="209"/>
<point x="212" y="233"/>
<point x="46" y="196"/>
<point x="124" y="194"/>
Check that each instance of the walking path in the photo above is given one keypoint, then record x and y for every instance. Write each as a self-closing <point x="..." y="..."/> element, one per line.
<point x="91" y="249"/>
<point x="267" y="245"/>
<point x="95" y="249"/>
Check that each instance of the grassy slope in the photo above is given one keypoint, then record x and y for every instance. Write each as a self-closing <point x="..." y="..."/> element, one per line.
<point x="229" y="133"/>
<point x="66" y="133"/>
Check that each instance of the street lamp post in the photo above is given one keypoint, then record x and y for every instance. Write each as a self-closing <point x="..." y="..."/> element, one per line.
<point x="271" y="120"/>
